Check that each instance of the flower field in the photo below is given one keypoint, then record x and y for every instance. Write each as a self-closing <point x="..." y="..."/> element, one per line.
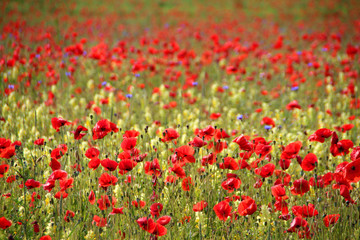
<point x="179" y="120"/>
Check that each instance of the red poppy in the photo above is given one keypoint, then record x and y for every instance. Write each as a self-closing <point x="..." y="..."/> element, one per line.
<point x="340" y="148"/>
<point x="78" y="132"/>
<point x="278" y="191"/>
<point x="131" y="133"/>
<point x="109" y="165"/>
<point x="107" y="180"/>
<point x="229" y="163"/>
<point x="4" y="223"/>
<point x="215" y="116"/>
<point x="36" y="226"/>
<point x="7" y="152"/>
<point x="292" y="105"/>
<point x="322" y="181"/>
<point x="263" y="150"/>
<point x="171" y="179"/>
<point x="153" y="168"/>
<point x="222" y="210"/>
<point x="3" y="169"/>
<point x="243" y="143"/>
<point x="126" y="165"/>
<point x="69" y="215"/>
<point x="186" y="183"/>
<point x="265" y="171"/>
<point x="352" y="171"/>
<point x="92" y="153"/>
<point x="220" y="134"/>
<point x="320" y="135"/>
<point x="146" y="224"/>
<point x="284" y="163"/>
<point x="159" y="230"/>
<point x="247" y="206"/>
<point x="305" y="210"/>
<point x="103" y="202"/>
<point x="39" y="141"/>
<point x="100" y="222"/>
<point x="230" y="184"/>
<point x="46" y="237"/>
<point x="164" y="220"/>
<point x="297" y="223"/>
<point x="31" y="183"/>
<point x="92" y="197"/>
<point x="102" y="128"/>
<point x="185" y="153"/>
<point x="178" y="170"/>
<point x="117" y="211"/>
<point x="197" y="142"/>
<point x="345" y="193"/>
<point x="268" y="121"/>
<point x="128" y="143"/>
<point x="169" y="134"/>
<point x="355" y="154"/>
<point x="59" y="122"/>
<point x="291" y="150"/>
<point x="208" y="159"/>
<point x="155" y="209"/>
<point x="206" y="133"/>
<point x="300" y="187"/>
<point x="309" y="162"/>
<point x="331" y="219"/>
<point x="94" y="163"/>
<point x="138" y="204"/>
<point x="198" y="207"/>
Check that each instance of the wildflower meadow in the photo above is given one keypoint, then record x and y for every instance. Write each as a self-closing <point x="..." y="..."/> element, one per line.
<point x="185" y="119"/>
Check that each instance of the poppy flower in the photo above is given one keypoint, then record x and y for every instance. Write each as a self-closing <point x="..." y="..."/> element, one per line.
<point x="146" y="224"/>
<point x="169" y="134"/>
<point x="322" y="181"/>
<point x="46" y="237"/>
<point x="39" y="142"/>
<point x="291" y="150"/>
<point x="159" y="230"/>
<point x="230" y="184"/>
<point x="305" y="210"/>
<point x="171" y="179"/>
<point x="117" y="211"/>
<point x="297" y="223"/>
<point x="220" y="134"/>
<point x="219" y="146"/>
<point x="78" y="132"/>
<point x="178" y="170"/>
<point x="197" y="142"/>
<point x="92" y="197"/>
<point x="268" y="121"/>
<point x="94" y="163"/>
<point x="102" y="128"/>
<point x="126" y="165"/>
<point x="92" y="153"/>
<point x="186" y="183"/>
<point x="344" y="128"/>
<point x="247" y="206"/>
<point x="164" y="220"/>
<point x="138" y="204"/>
<point x="243" y="143"/>
<point x="131" y="133"/>
<point x="103" y="202"/>
<point x="352" y="171"/>
<point x="36" y="226"/>
<point x="262" y="150"/>
<point x="31" y="183"/>
<point x="59" y="122"/>
<point x="265" y="171"/>
<point x="3" y="169"/>
<point x="355" y="154"/>
<point x="320" y="135"/>
<point x="345" y="193"/>
<point x="215" y="116"/>
<point x="4" y="223"/>
<point x="128" y="143"/>
<point x="278" y="191"/>
<point x="153" y="168"/>
<point x="109" y="165"/>
<point x="185" y="153"/>
<point x="229" y="163"/>
<point x="331" y="219"/>
<point x="155" y="209"/>
<point x="222" y="210"/>
<point x="107" y="180"/>
<point x="7" y="152"/>
<point x="100" y="222"/>
<point x="284" y="163"/>
<point x="69" y="215"/>
<point x="198" y="207"/>
<point x="206" y="133"/>
<point x="292" y="105"/>
<point x="300" y="187"/>
<point x="340" y="148"/>
<point x="208" y="159"/>
<point x="309" y="162"/>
